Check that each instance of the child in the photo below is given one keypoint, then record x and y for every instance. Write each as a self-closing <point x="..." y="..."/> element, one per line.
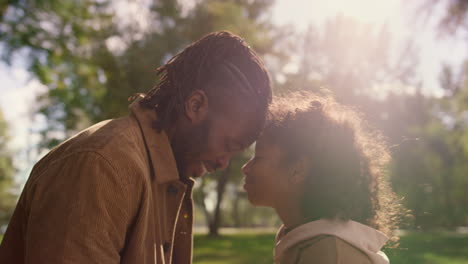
<point x="323" y="173"/>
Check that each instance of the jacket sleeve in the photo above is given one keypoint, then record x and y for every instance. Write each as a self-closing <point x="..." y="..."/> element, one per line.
<point x="331" y="250"/>
<point x="79" y="212"/>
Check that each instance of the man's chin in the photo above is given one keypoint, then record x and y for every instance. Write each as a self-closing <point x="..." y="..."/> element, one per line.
<point x="197" y="170"/>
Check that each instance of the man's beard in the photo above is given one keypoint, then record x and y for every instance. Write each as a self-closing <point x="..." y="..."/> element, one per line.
<point x="187" y="145"/>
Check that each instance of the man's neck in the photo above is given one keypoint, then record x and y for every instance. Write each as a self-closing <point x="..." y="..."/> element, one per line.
<point x="170" y="131"/>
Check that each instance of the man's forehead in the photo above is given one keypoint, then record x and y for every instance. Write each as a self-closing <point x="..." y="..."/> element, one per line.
<point x="249" y="131"/>
<point x="242" y="117"/>
<point x="242" y="126"/>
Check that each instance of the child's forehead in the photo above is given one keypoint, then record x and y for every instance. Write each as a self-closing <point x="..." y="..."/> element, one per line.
<point x="263" y="144"/>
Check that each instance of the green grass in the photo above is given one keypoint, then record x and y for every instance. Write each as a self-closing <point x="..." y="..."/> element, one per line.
<point x="431" y="248"/>
<point x="234" y="248"/>
<point x="415" y="248"/>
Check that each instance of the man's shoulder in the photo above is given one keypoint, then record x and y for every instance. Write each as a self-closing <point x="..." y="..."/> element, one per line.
<point x="118" y="141"/>
<point x="108" y="137"/>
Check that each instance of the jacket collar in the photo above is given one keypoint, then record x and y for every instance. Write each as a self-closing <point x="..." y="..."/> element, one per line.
<point x="157" y="144"/>
<point x="363" y="237"/>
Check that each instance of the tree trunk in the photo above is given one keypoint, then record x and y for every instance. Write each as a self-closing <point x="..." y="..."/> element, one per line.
<point x="235" y="210"/>
<point x="220" y="190"/>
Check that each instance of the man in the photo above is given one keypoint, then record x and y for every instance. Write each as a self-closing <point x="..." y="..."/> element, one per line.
<point x="120" y="191"/>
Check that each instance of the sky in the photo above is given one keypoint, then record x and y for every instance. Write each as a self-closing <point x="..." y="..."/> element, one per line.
<point x="18" y="89"/>
<point x="399" y="16"/>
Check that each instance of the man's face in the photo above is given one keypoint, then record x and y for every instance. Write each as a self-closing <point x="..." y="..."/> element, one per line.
<point x="209" y="144"/>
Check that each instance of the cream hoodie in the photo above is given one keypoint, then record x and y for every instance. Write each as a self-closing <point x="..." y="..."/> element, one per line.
<point x="363" y="237"/>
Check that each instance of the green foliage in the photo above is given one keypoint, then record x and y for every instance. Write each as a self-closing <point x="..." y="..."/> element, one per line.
<point x="7" y="198"/>
<point x="430" y="172"/>
<point x="60" y="40"/>
<point x="89" y="81"/>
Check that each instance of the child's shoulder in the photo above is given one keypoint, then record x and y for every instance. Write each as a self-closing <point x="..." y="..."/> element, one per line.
<point x="329" y="249"/>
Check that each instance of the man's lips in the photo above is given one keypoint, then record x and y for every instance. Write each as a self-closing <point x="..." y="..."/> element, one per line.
<point x="199" y="170"/>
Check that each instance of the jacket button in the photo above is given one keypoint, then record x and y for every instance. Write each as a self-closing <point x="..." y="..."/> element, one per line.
<point x="172" y="189"/>
<point x="166" y="247"/>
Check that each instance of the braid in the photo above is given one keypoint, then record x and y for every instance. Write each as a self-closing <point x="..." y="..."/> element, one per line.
<point x="218" y="56"/>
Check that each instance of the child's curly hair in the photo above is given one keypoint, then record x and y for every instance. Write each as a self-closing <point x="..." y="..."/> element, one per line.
<point x="349" y="160"/>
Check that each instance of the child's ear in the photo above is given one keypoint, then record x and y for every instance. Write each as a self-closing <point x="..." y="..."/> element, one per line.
<point x="299" y="171"/>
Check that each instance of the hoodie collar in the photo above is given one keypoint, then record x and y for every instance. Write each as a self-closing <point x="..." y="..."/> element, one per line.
<point x="157" y="144"/>
<point x="361" y="236"/>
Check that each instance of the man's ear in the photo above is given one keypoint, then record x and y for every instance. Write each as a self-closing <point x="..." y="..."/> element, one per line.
<point x="196" y="107"/>
<point x="299" y="171"/>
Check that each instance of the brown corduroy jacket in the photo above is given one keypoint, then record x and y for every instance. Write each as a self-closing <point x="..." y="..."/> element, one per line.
<point x="110" y="194"/>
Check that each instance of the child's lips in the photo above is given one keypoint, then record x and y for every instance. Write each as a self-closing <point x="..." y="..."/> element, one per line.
<point x="247" y="182"/>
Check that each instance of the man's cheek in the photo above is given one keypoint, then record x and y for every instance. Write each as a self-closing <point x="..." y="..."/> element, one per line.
<point x="210" y="149"/>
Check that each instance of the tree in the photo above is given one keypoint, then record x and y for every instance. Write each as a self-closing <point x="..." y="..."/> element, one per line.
<point x="7" y="198"/>
<point x="60" y="39"/>
<point x="455" y="16"/>
<point x="216" y="184"/>
<point x="352" y="59"/>
<point x="89" y="78"/>
<point x="447" y="133"/>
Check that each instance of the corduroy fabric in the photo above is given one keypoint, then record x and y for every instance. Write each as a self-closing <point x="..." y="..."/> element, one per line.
<point x="110" y="194"/>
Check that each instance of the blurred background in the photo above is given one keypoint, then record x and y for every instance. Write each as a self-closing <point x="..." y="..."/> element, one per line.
<point x="68" y="64"/>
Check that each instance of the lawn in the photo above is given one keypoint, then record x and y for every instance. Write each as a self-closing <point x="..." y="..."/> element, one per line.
<point x="431" y="248"/>
<point x="248" y="247"/>
<point x="416" y="248"/>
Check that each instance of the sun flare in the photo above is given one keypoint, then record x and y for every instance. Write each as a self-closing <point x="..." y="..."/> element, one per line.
<point x="368" y="11"/>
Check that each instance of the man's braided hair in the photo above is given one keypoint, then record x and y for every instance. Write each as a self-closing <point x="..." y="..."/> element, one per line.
<point x="222" y="65"/>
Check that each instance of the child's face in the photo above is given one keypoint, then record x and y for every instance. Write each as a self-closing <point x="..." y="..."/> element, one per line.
<point x="267" y="176"/>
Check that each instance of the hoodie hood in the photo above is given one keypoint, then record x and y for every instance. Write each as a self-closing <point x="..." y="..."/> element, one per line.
<point x="363" y="237"/>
